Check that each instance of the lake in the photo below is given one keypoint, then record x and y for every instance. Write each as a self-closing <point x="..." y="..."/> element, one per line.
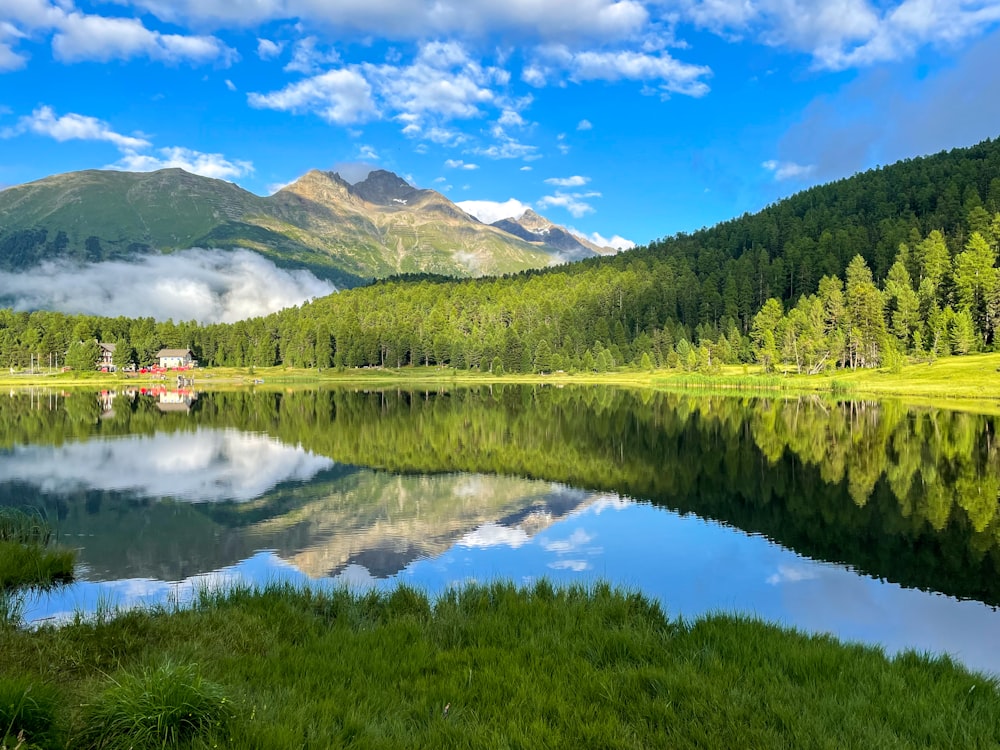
<point x="871" y="520"/>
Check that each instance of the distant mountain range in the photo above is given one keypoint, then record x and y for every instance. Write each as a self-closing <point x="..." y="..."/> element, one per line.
<point x="380" y="227"/>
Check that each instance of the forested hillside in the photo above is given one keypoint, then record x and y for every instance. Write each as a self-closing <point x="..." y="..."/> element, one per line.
<point x="859" y="273"/>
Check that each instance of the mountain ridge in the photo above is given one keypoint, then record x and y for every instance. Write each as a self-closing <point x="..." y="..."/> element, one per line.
<point x="349" y="233"/>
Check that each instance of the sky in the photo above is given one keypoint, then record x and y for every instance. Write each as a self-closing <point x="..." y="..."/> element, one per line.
<point x="626" y="120"/>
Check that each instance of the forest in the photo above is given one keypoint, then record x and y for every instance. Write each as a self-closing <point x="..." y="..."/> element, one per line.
<point x="898" y="262"/>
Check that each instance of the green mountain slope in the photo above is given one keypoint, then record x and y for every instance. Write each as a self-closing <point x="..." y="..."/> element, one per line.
<point x="377" y="228"/>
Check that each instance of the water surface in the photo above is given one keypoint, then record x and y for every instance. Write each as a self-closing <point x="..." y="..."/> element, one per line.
<point x="869" y="520"/>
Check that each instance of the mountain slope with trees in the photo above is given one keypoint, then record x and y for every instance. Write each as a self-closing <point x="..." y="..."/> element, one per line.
<point x="347" y="233"/>
<point x="896" y="262"/>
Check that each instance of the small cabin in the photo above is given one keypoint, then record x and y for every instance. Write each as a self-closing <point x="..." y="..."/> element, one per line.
<point x="174" y="358"/>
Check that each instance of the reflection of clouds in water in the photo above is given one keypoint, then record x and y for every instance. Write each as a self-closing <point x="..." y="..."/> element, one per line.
<point x="607" y="502"/>
<point x="202" y="466"/>
<point x="856" y="607"/>
<point x="86" y="598"/>
<point x="575" y="540"/>
<point x="494" y="535"/>
<point x="356" y="576"/>
<point x="792" y="574"/>
<point x="577" y="566"/>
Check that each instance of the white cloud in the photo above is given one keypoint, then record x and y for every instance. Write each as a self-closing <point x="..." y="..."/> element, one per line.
<point x="459" y="164"/>
<point x="230" y="85"/>
<point x="506" y="147"/>
<point x="308" y="58"/>
<point x="43" y="121"/>
<point x="209" y="286"/>
<point x="97" y="38"/>
<point x="420" y="19"/>
<point x="510" y="118"/>
<point x="338" y="96"/>
<point x="670" y="75"/>
<point x="787" y="170"/>
<point x="368" y="153"/>
<point x="574" y="203"/>
<point x="526" y="168"/>
<point x="442" y="81"/>
<point x="196" y="162"/>
<point x="489" y="212"/>
<point x="574" y="181"/>
<point x="842" y="34"/>
<point x="584" y="125"/>
<point x="616" y="241"/>
<point x="268" y="50"/>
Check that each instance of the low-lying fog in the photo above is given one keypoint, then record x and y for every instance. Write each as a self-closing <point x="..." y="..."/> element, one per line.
<point x="210" y="286"/>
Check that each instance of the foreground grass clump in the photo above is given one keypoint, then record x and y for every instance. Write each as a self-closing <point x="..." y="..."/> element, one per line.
<point x="156" y="707"/>
<point x="26" y="559"/>
<point x="499" y="666"/>
<point x="28" y="714"/>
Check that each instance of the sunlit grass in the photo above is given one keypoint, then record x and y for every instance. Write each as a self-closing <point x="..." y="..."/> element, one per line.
<point x="499" y="666"/>
<point x="973" y="379"/>
<point x="158" y="707"/>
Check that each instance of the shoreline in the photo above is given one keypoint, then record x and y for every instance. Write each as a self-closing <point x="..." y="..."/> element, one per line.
<point x="969" y="383"/>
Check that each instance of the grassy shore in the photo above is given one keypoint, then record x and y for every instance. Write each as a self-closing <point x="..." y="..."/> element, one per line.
<point x="486" y="667"/>
<point x="974" y="378"/>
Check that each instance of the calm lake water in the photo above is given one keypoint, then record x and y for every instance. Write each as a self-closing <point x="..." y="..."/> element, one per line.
<point x="869" y="520"/>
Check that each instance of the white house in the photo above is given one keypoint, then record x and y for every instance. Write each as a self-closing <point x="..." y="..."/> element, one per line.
<point x="175" y="358"/>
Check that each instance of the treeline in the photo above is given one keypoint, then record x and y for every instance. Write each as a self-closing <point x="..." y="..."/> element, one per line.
<point x="859" y="273"/>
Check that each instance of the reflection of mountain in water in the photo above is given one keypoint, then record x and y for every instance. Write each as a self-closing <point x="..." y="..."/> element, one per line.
<point x="342" y="516"/>
<point x="386" y="521"/>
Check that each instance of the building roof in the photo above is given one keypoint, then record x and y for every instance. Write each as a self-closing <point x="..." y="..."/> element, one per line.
<point x="174" y="353"/>
<point x="107" y="347"/>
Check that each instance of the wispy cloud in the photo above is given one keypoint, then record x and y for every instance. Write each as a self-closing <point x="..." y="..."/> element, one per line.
<point x="787" y="170"/>
<point x="574" y="181"/>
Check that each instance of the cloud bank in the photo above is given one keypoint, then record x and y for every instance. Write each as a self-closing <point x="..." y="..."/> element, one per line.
<point x="210" y="286"/>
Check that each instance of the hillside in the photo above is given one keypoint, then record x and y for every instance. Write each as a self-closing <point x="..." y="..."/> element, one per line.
<point x="893" y="263"/>
<point x="379" y="227"/>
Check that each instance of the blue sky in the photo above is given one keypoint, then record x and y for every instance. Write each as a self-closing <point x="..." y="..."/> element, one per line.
<point x="633" y="119"/>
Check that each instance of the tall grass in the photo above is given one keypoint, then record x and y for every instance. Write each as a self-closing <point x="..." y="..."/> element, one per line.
<point x="159" y="707"/>
<point x="24" y="527"/>
<point x="489" y="667"/>
<point x="28" y="714"/>
<point x="26" y="559"/>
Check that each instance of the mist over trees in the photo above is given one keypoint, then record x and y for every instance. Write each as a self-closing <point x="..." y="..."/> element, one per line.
<point x="893" y="263"/>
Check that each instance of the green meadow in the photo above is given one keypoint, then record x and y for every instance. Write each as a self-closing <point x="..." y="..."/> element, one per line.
<point x="487" y="666"/>
<point x="974" y="377"/>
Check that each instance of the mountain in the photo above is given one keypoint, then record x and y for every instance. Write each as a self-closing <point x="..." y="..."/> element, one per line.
<point x="380" y="227"/>
<point x="540" y="231"/>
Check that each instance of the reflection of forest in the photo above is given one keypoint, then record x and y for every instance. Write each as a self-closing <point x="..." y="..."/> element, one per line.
<point x="909" y="495"/>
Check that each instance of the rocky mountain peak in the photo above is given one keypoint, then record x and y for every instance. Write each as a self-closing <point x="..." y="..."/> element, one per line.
<point x="384" y="188"/>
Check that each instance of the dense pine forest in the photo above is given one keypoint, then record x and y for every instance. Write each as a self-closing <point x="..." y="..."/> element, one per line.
<point x="893" y="263"/>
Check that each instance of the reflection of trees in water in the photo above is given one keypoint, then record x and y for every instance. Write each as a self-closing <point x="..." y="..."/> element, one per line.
<point x="906" y="494"/>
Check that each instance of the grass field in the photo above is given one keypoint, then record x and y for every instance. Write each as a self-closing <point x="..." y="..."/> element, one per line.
<point x="486" y="667"/>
